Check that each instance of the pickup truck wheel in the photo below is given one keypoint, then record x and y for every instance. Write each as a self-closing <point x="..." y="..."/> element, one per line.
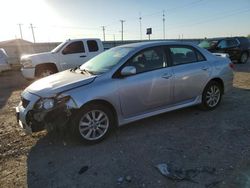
<point x="45" y="71"/>
<point x="93" y="123"/>
<point x="244" y="57"/>
<point x="211" y="96"/>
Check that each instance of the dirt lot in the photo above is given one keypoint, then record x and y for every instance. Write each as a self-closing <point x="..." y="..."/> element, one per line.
<point x="184" y="139"/>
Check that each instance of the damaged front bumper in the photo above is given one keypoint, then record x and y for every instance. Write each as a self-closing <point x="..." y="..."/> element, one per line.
<point x="35" y="120"/>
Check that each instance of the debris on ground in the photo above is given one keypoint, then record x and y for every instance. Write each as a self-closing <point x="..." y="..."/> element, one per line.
<point x="120" y="180"/>
<point x="128" y="178"/>
<point x="213" y="184"/>
<point x="181" y="174"/>
<point x="83" y="169"/>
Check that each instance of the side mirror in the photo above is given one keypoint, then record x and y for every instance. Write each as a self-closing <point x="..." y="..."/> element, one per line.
<point x="128" y="70"/>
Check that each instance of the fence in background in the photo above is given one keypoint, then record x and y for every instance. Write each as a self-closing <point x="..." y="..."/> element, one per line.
<point x="16" y="51"/>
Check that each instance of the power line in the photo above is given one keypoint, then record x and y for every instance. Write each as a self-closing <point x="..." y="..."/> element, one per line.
<point x="213" y="19"/>
<point x="122" y="21"/>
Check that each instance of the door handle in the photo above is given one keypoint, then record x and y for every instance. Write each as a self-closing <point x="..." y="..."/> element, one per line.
<point x="167" y="76"/>
<point x="83" y="56"/>
<point x="205" y="68"/>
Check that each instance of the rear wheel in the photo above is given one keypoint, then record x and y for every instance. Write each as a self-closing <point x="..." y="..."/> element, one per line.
<point x="93" y="123"/>
<point x="244" y="57"/>
<point x="211" y="96"/>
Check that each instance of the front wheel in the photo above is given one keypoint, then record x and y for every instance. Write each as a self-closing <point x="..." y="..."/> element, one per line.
<point x="93" y="123"/>
<point x="211" y="96"/>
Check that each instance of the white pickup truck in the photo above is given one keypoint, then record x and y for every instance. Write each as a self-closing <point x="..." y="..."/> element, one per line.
<point x="68" y="54"/>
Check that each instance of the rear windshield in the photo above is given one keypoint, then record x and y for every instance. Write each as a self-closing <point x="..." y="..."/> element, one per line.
<point x="208" y="43"/>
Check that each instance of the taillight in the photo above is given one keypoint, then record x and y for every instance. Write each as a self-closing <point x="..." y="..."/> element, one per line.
<point x="231" y="65"/>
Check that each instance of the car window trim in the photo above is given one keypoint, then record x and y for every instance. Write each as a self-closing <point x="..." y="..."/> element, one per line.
<point x="84" y="50"/>
<point x="167" y="64"/>
<point x="185" y="46"/>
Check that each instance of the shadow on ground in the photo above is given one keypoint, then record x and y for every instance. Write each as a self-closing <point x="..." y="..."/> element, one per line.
<point x="10" y="81"/>
<point x="187" y="138"/>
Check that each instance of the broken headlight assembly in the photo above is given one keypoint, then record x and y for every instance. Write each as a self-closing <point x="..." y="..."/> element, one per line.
<point x="50" y="103"/>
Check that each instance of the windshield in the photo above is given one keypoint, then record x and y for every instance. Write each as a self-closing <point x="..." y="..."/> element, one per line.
<point x="59" y="47"/>
<point x="106" y="60"/>
<point x="207" y="43"/>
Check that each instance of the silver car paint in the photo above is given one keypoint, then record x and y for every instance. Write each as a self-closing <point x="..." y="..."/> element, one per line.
<point x="143" y="95"/>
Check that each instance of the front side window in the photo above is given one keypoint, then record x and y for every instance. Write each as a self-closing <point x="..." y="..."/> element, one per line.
<point x="183" y="55"/>
<point x="148" y="60"/>
<point x="222" y="44"/>
<point x="74" y="47"/>
<point x="92" y="45"/>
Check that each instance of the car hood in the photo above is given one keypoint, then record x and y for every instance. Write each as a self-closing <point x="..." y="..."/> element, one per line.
<point x="57" y="83"/>
<point x="40" y="57"/>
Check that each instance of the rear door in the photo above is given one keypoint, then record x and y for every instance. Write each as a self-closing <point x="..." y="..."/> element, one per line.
<point x="93" y="49"/>
<point x="190" y="70"/>
<point x="73" y="55"/>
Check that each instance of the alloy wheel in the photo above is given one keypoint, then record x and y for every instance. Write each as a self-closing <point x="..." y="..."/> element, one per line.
<point x="244" y="58"/>
<point x="213" y="96"/>
<point x="93" y="125"/>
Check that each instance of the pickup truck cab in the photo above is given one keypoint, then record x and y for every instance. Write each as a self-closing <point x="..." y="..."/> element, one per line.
<point x="69" y="54"/>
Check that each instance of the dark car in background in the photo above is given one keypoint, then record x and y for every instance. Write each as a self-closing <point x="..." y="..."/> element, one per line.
<point x="238" y="48"/>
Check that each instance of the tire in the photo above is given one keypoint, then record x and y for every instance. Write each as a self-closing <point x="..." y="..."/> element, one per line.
<point x="91" y="129"/>
<point x="45" y="70"/>
<point x="211" y="96"/>
<point x="244" y="57"/>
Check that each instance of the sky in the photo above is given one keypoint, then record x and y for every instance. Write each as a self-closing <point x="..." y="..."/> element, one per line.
<point x="58" y="20"/>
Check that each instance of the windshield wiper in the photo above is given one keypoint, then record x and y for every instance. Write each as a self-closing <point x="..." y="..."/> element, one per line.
<point x="74" y="69"/>
<point x="86" y="71"/>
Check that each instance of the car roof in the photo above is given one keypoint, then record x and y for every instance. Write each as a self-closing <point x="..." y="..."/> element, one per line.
<point x="154" y="43"/>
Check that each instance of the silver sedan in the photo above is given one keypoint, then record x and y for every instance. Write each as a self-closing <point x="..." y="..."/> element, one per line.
<point x="125" y="84"/>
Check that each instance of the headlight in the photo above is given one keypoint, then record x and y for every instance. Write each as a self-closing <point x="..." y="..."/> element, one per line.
<point x="49" y="103"/>
<point x="27" y="63"/>
<point x="45" y="104"/>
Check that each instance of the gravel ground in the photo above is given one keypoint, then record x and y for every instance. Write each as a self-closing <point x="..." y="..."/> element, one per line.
<point x="183" y="139"/>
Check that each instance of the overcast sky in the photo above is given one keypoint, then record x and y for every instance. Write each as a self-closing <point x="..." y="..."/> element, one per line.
<point x="57" y="20"/>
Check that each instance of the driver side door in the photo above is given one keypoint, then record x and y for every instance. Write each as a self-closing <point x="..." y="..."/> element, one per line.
<point x="73" y="55"/>
<point x="150" y="88"/>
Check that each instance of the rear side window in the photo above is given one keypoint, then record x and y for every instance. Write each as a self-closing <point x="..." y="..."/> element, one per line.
<point x="74" y="47"/>
<point x="92" y="45"/>
<point x="184" y="55"/>
<point x="232" y="43"/>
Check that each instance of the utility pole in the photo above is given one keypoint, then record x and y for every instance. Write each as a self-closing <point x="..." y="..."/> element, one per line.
<point x="140" y="27"/>
<point x="103" y="31"/>
<point x="122" y="21"/>
<point x="163" y="21"/>
<point x="20" y="29"/>
<point x="32" y="29"/>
